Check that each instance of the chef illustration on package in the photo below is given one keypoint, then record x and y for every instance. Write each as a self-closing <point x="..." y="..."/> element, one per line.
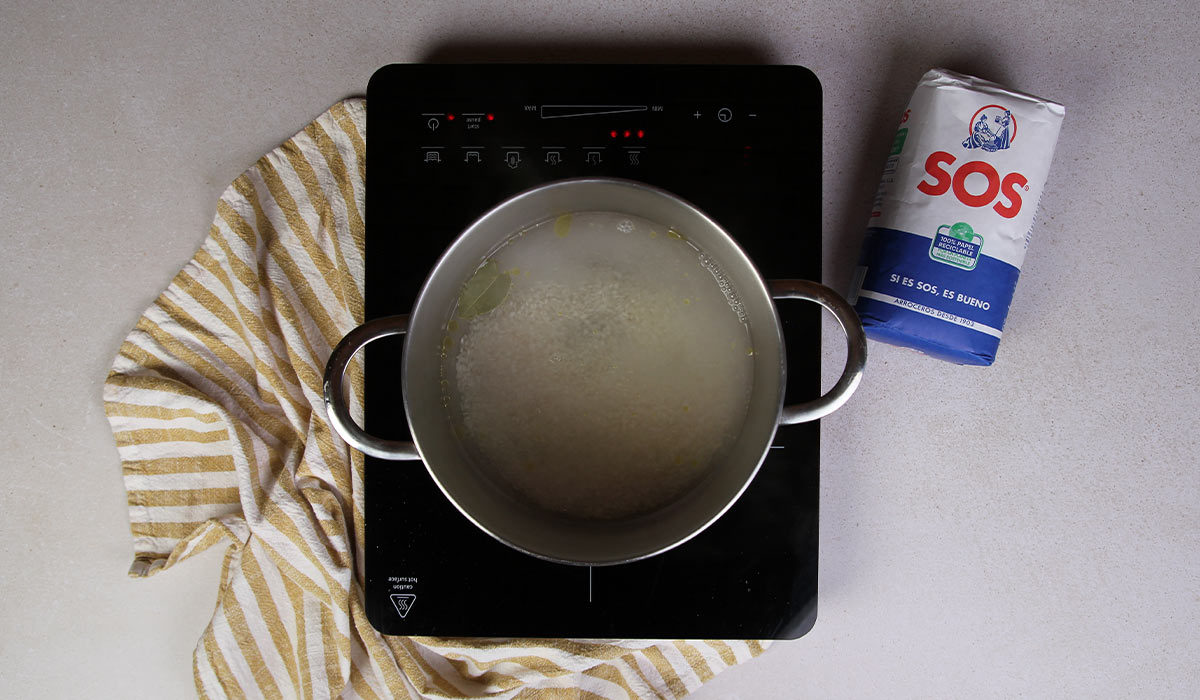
<point x="983" y="137"/>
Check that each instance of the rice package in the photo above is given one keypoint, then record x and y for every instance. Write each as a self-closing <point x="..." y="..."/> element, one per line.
<point x="953" y="216"/>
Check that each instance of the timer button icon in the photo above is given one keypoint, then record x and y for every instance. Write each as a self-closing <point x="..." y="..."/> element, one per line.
<point x="724" y="114"/>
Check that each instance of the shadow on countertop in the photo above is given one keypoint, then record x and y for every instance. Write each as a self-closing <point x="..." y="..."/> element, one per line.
<point x="585" y="51"/>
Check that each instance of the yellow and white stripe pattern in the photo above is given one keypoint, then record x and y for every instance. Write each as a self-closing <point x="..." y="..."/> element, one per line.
<point x="215" y="402"/>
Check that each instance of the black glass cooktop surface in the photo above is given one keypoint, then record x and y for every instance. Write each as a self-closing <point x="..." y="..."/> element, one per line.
<point x="448" y="142"/>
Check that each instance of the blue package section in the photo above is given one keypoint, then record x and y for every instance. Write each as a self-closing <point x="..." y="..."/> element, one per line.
<point x="907" y="298"/>
<point x="911" y="329"/>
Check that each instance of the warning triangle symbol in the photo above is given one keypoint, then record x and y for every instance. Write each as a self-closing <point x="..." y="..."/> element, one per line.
<point x="403" y="602"/>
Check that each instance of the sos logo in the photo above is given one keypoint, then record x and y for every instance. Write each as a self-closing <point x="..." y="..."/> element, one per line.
<point x="993" y="128"/>
<point x="1003" y="193"/>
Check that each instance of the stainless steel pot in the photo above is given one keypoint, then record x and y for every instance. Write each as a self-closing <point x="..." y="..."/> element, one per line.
<point x="531" y="529"/>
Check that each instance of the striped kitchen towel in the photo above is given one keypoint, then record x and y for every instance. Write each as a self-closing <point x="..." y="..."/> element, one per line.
<point x="216" y="406"/>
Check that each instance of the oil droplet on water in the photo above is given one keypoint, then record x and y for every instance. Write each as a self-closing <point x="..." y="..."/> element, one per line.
<point x="452" y="325"/>
<point x="672" y="233"/>
<point x="653" y="233"/>
<point x="447" y="343"/>
<point x="562" y="225"/>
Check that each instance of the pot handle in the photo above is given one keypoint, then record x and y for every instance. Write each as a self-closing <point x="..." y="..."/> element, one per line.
<point x="856" y="348"/>
<point x="335" y="402"/>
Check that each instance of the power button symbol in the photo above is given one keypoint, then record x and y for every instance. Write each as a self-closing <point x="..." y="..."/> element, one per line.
<point x="724" y="114"/>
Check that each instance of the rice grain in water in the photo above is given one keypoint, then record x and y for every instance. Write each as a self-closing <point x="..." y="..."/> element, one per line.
<point x="595" y="366"/>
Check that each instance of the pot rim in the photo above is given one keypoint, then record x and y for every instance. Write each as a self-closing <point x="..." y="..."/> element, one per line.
<point x="421" y="307"/>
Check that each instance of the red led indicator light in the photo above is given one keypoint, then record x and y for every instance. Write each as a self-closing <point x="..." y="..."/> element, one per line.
<point x="612" y="134"/>
<point x="641" y="133"/>
<point x="627" y="133"/>
<point x="491" y="117"/>
<point x="450" y="117"/>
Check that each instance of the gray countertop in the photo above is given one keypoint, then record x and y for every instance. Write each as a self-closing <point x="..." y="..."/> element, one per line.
<point x="1027" y="529"/>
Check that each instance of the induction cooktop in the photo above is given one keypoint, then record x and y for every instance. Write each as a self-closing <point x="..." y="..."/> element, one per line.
<point x="448" y="142"/>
